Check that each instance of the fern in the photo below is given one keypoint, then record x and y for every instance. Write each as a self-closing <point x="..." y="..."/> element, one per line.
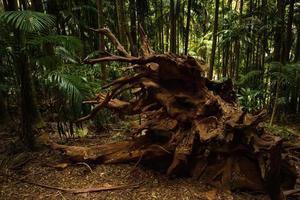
<point x="247" y="77"/>
<point x="28" y="21"/>
<point x="72" y="87"/>
<point x="65" y="55"/>
<point x="68" y="42"/>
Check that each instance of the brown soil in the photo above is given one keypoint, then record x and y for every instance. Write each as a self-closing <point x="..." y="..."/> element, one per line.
<point x="42" y="167"/>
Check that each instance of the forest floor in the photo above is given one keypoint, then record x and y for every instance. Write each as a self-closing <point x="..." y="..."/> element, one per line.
<point x="22" y="172"/>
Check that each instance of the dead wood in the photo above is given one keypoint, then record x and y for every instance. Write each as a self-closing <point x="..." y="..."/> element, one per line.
<point x="84" y="190"/>
<point x="104" y="187"/>
<point x="191" y="125"/>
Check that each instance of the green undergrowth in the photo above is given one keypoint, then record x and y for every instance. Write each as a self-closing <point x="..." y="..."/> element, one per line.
<point x="284" y="131"/>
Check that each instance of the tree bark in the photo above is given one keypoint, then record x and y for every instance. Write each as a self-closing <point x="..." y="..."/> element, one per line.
<point x="297" y="59"/>
<point x="133" y="27"/>
<point x="30" y="116"/>
<point x="289" y="34"/>
<point x="37" y="5"/>
<point x="162" y="44"/>
<point x="278" y="31"/>
<point x="120" y="8"/>
<point x="101" y="38"/>
<point x="188" y="21"/>
<point x="214" y="42"/>
<point x="177" y="21"/>
<point x="297" y="49"/>
<point x="278" y="51"/>
<point x="172" y="27"/>
<point x="142" y="11"/>
<point x="238" y="44"/>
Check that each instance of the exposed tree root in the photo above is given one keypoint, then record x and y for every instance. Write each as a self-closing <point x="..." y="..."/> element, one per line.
<point x="191" y="126"/>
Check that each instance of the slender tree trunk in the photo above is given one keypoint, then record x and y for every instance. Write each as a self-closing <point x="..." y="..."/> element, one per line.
<point x="225" y="47"/>
<point x="297" y="50"/>
<point x="156" y="23"/>
<point x="37" y="5"/>
<point x="238" y="44"/>
<point x="188" y="21"/>
<point x="29" y="110"/>
<point x="277" y="51"/>
<point x="286" y="57"/>
<point x="133" y="28"/>
<point x="162" y="25"/>
<point x="296" y="94"/>
<point x="278" y="31"/>
<point x="3" y="107"/>
<point x="178" y="25"/>
<point x="120" y="8"/>
<point x="214" y="42"/>
<point x="172" y="27"/>
<point x="289" y="33"/>
<point x="168" y="35"/>
<point x="30" y="117"/>
<point x="142" y="11"/>
<point x="101" y="38"/>
<point x="23" y="4"/>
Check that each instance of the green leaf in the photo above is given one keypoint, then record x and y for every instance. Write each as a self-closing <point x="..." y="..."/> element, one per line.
<point x="28" y="21"/>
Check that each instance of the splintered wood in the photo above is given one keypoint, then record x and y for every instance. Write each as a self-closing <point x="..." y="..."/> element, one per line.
<point x="191" y="125"/>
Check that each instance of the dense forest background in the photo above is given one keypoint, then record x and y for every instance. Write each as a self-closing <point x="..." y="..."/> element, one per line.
<point x="43" y="45"/>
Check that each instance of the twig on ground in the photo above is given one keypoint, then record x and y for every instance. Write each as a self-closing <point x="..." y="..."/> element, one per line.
<point x="76" y="191"/>
<point x="85" y="164"/>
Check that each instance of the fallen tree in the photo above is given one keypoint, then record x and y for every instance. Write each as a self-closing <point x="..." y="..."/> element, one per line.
<point x="190" y="125"/>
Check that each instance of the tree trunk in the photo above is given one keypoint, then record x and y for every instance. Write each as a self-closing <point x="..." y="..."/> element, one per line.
<point x="172" y="27"/>
<point x="278" y="57"/>
<point x="133" y="28"/>
<point x="177" y="21"/>
<point x="188" y="21"/>
<point x="162" y="44"/>
<point x="238" y="44"/>
<point x="295" y="101"/>
<point x="168" y="35"/>
<point x="120" y="8"/>
<point x="297" y="50"/>
<point x="142" y="11"/>
<point x="29" y="110"/>
<point x="278" y="31"/>
<point x="3" y="107"/>
<point x="101" y="38"/>
<point x="214" y="42"/>
<point x="289" y="34"/>
<point x="30" y="116"/>
<point x="37" y="5"/>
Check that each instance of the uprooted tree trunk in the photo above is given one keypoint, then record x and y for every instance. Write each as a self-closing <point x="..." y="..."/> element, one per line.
<point x="191" y="125"/>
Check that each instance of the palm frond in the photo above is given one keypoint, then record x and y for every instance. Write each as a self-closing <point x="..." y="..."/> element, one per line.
<point x="65" y="55"/>
<point x="72" y="87"/>
<point x="28" y="21"/>
<point x="68" y="42"/>
<point x="247" y="77"/>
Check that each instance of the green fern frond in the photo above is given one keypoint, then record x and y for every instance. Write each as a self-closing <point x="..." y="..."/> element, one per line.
<point x="47" y="61"/>
<point x="28" y="21"/>
<point x="68" y="42"/>
<point x="250" y="75"/>
<point x="65" y="55"/>
<point x="72" y="87"/>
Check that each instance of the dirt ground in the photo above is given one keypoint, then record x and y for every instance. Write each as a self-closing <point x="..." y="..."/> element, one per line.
<point x="50" y="168"/>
